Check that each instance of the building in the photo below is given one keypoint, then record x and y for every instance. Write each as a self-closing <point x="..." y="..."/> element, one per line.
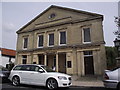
<point x="70" y="40"/>
<point x="7" y="56"/>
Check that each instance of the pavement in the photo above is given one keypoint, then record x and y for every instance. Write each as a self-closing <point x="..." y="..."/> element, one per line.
<point x="88" y="81"/>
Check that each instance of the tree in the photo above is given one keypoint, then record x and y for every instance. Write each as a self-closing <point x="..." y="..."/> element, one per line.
<point x="111" y="53"/>
<point x="117" y="32"/>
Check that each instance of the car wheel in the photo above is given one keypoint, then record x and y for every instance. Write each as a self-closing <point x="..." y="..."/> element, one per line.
<point x="52" y="84"/>
<point x="16" y="81"/>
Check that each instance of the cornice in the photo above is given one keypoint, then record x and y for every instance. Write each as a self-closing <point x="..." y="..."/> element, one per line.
<point x="45" y="25"/>
<point x="77" y="46"/>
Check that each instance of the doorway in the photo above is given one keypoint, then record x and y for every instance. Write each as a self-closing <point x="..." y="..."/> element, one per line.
<point x="88" y="63"/>
<point x="40" y="59"/>
<point x="62" y="62"/>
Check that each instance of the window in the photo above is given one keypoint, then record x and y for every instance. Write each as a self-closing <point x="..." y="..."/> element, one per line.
<point x="69" y="65"/>
<point x="18" y="68"/>
<point x="25" y="43"/>
<point x="88" y="53"/>
<point x="34" y="68"/>
<point x="51" y="16"/>
<point x="24" y="59"/>
<point x="51" y="39"/>
<point x="40" y="41"/>
<point x="54" y="61"/>
<point x="62" y="37"/>
<point x="86" y="33"/>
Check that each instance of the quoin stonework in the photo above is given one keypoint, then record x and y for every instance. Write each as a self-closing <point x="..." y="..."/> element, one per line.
<point x="71" y="41"/>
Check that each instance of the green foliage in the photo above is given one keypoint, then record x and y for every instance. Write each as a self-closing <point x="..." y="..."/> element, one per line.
<point x="111" y="54"/>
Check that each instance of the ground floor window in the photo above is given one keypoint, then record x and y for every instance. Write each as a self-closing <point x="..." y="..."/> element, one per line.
<point x="24" y="59"/>
<point x="69" y="64"/>
<point x="41" y="59"/>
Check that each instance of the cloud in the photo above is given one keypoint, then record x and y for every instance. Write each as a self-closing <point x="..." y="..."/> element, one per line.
<point x="8" y="27"/>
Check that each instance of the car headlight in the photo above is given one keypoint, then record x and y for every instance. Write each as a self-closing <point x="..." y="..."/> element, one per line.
<point x="62" y="78"/>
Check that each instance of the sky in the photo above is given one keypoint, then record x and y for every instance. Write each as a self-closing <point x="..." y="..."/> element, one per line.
<point x="16" y="14"/>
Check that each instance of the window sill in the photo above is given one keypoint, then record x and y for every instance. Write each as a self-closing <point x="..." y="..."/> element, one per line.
<point x="87" y="42"/>
<point x="24" y="48"/>
<point x="62" y="44"/>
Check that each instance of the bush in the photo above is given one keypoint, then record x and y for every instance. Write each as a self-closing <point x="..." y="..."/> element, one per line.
<point x="111" y="54"/>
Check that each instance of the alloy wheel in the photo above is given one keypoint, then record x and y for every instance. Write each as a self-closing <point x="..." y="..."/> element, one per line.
<point x="52" y="84"/>
<point x="16" y="81"/>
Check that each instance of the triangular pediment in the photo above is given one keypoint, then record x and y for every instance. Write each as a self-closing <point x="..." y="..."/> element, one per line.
<point x="55" y="15"/>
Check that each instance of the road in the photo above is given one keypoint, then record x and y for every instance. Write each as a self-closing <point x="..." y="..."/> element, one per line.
<point x="9" y="86"/>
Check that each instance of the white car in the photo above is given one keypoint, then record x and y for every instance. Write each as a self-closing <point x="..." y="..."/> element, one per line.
<point x="40" y="75"/>
<point x="112" y="78"/>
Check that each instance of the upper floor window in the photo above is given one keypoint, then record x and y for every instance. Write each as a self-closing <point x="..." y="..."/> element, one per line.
<point x="25" y="43"/>
<point x="63" y="38"/>
<point x="86" y="35"/>
<point x="51" y="39"/>
<point x="40" y="41"/>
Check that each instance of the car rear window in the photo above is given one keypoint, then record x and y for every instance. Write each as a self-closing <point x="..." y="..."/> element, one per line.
<point x="27" y="68"/>
<point x="22" y="67"/>
<point x="17" y="68"/>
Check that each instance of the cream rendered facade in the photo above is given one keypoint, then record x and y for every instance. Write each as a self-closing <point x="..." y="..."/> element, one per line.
<point x="69" y="57"/>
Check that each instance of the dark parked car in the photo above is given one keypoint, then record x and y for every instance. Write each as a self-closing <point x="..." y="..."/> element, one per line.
<point x="4" y="74"/>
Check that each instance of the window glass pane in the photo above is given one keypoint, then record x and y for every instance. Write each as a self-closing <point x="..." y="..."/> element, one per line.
<point x="17" y="68"/>
<point x="51" y="39"/>
<point x="54" y="61"/>
<point x="24" y="59"/>
<point x="34" y="68"/>
<point x="87" y="37"/>
<point x="69" y="65"/>
<point x="87" y="52"/>
<point x="25" y="67"/>
<point x="25" y="42"/>
<point x="40" y="42"/>
<point x="62" y="37"/>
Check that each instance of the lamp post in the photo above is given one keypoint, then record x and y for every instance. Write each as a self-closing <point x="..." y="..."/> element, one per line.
<point x="117" y="45"/>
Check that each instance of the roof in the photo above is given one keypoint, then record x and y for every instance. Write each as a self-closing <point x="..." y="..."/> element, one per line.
<point x="69" y="9"/>
<point x="8" y="52"/>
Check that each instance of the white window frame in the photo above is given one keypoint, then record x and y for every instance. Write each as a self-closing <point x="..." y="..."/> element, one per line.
<point x="38" y="41"/>
<point x="89" y="54"/>
<point x="59" y="38"/>
<point x="23" y="43"/>
<point x="83" y="35"/>
<point x="48" y="39"/>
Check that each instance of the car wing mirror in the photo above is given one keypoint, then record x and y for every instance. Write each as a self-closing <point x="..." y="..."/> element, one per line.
<point x="41" y="71"/>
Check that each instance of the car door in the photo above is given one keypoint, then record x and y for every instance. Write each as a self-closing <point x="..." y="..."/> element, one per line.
<point x="36" y="77"/>
<point x="24" y="74"/>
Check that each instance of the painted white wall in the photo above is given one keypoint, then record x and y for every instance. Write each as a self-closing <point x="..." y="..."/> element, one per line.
<point x="5" y="60"/>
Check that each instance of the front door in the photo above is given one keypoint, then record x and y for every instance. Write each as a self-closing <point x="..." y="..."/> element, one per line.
<point x="36" y="77"/>
<point x="89" y="68"/>
<point x="62" y="62"/>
